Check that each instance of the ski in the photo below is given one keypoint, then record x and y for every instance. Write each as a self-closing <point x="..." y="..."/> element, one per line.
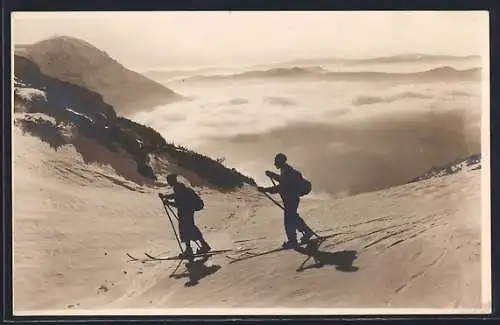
<point x="244" y="252"/>
<point x="252" y="255"/>
<point x="151" y="258"/>
<point x="248" y="255"/>
<point x="316" y="240"/>
<point x="132" y="258"/>
<point x="187" y="257"/>
<point x="194" y="255"/>
<point x="240" y="254"/>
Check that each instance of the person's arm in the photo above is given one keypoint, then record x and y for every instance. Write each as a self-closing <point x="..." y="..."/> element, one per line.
<point x="273" y="175"/>
<point x="169" y="196"/>
<point x="166" y="198"/>
<point x="169" y="203"/>
<point x="271" y="189"/>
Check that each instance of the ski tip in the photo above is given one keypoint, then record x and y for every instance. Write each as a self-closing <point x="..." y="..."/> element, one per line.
<point x="149" y="256"/>
<point x="131" y="257"/>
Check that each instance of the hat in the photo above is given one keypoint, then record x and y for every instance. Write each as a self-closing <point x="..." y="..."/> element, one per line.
<point x="280" y="158"/>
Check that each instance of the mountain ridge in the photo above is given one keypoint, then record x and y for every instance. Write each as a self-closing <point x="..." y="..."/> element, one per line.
<point x="398" y="58"/>
<point x="78" y="62"/>
<point x="82" y="113"/>
<point x="435" y="74"/>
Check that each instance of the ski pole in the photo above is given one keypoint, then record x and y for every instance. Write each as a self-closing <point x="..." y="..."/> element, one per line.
<point x="271" y="198"/>
<point x="274" y="201"/>
<point x="172" y="211"/>
<point x="272" y="180"/>
<point x="176" y="268"/>
<point x="173" y="227"/>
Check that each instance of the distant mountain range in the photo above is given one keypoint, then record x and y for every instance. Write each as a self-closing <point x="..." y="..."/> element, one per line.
<point x="443" y="73"/>
<point x="402" y="58"/>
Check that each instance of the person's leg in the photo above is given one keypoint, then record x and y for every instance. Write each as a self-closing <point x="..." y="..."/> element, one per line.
<point x="184" y="234"/>
<point x="195" y="233"/>
<point x="205" y="247"/>
<point x="289" y="219"/>
<point x="298" y="223"/>
<point x="189" y="250"/>
<point x="303" y="227"/>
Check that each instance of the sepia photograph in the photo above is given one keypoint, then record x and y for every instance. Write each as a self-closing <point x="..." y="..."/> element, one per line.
<point x="250" y="163"/>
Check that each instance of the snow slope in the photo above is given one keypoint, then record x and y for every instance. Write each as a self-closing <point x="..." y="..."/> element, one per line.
<point x="412" y="246"/>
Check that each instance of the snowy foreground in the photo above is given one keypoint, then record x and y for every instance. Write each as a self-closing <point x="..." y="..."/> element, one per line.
<point x="413" y="246"/>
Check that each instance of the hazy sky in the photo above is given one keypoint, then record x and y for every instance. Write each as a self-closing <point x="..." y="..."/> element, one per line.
<point x="178" y="38"/>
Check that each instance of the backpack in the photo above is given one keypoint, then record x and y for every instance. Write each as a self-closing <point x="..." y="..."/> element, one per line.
<point x="195" y="201"/>
<point x="302" y="186"/>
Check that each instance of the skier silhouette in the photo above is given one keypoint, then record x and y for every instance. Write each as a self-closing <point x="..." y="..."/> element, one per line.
<point x="287" y="189"/>
<point x="185" y="200"/>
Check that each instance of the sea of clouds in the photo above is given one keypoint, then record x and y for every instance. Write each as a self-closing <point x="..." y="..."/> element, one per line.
<point x="346" y="136"/>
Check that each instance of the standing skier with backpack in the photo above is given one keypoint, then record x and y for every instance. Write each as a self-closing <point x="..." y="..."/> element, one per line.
<point x="291" y="187"/>
<point x="187" y="202"/>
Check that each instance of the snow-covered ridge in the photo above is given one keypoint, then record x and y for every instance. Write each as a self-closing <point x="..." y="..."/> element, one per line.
<point x="472" y="162"/>
<point x="85" y="114"/>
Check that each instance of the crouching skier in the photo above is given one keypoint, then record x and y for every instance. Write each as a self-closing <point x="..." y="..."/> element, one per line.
<point x="187" y="202"/>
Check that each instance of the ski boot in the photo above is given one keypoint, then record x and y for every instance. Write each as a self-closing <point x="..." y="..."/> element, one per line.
<point x="205" y="248"/>
<point x="305" y="238"/>
<point x="290" y="244"/>
<point x="187" y="253"/>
